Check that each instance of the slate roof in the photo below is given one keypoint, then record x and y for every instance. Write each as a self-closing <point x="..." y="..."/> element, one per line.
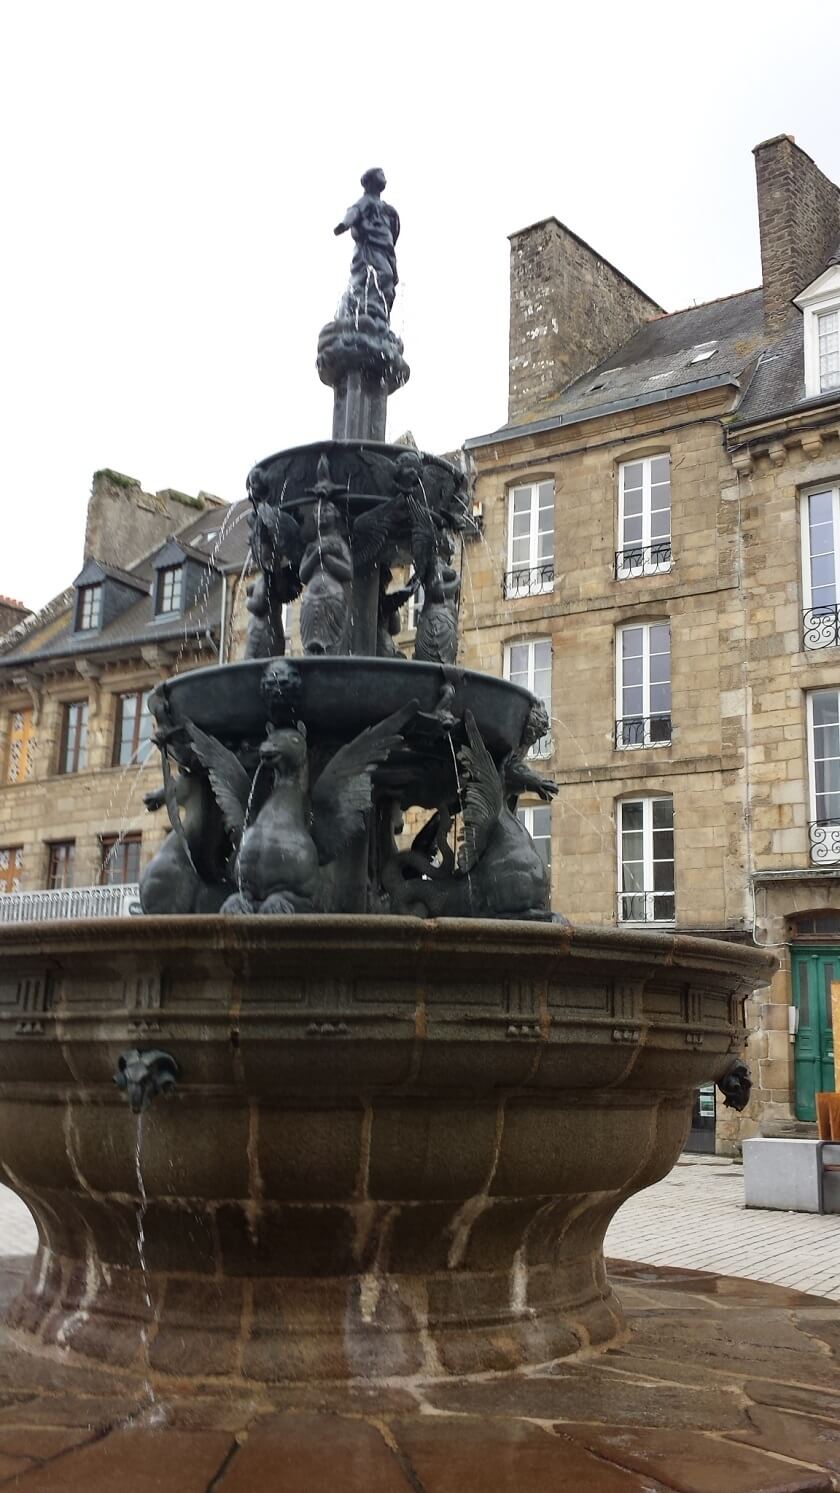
<point x="778" y="379"/>
<point x="52" y="637"/>
<point x="113" y="572"/>
<point x="656" y="363"/>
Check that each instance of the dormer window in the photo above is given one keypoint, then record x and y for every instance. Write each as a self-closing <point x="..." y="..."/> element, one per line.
<point x="828" y="350"/>
<point x="820" y="307"/>
<point x="89" y="608"/>
<point x="170" y="589"/>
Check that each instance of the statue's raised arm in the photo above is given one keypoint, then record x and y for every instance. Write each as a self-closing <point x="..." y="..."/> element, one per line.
<point x="375" y="227"/>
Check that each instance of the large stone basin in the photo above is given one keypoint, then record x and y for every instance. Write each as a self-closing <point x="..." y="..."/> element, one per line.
<point x="394" y="1148"/>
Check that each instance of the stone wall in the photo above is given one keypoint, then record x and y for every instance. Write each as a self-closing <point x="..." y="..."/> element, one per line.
<point x="569" y="308"/>
<point x="736" y="767"/>
<point x="124" y="523"/>
<point x="799" y="224"/>
<point x="11" y="613"/>
<point x="80" y="806"/>
<point x="701" y="769"/>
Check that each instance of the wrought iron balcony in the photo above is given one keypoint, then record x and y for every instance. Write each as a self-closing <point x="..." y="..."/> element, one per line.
<point x="73" y="902"/>
<point x="642" y="559"/>
<point x="542" y="747"/>
<point x="646" y="907"/>
<point x="821" y="627"/>
<point x="533" y="582"/>
<point x="824" y="840"/>
<point x="642" y="731"/>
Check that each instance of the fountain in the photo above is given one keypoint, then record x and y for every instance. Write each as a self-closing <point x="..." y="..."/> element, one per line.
<point x="383" y="1102"/>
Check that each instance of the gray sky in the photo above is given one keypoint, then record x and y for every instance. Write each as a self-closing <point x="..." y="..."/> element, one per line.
<point x="172" y="173"/>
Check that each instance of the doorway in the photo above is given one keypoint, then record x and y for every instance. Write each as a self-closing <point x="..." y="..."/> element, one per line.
<point x="701" y="1136"/>
<point x="812" y="973"/>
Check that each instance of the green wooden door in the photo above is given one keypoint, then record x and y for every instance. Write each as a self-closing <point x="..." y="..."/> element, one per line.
<point x="812" y="971"/>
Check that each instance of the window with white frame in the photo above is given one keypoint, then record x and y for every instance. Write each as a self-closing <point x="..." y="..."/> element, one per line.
<point x="414" y="608"/>
<point x="646" y="860"/>
<point x="643" y="685"/>
<point x="644" y="517"/>
<point x="820" y="307"/>
<point x="530" y="539"/>
<point x="89" y="608"/>
<point x="828" y="349"/>
<point x="529" y="664"/>
<point x="537" y="820"/>
<point x="170" y="589"/>
<point x="820" y="527"/>
<point x="824" y="764"/>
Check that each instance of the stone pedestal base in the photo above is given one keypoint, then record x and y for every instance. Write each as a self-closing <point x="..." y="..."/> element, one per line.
<point x="272" y="1329"/>
<point x="393" y="1149"/>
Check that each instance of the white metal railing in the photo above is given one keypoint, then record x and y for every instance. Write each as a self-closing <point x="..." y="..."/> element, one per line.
<point x="74" y="902"/>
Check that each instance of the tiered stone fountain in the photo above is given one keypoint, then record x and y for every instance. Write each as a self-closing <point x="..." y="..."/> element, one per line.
<point x="383" y="1103"/>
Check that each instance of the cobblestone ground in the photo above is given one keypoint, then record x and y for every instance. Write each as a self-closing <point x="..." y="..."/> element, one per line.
<point x="695" y="1218"/>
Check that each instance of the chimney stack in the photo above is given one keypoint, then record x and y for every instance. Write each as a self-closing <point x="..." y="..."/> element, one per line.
<point x="569" y="309"/>
<point x="798" y="223"/>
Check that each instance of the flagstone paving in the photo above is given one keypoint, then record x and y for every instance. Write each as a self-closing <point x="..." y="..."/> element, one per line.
<point x="722" y="1386"/>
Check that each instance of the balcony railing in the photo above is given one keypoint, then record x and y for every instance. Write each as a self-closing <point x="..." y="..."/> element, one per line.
<point x="824" y="840"/>
<point x="646" y="907"/>
<point x="642" y="731"/>
<point x="642" y="559"/>
<point x="542" y="747"/>
<point x="74" y="902"/>
<point x="821" y="627"/>
<point x="533" y="582"/>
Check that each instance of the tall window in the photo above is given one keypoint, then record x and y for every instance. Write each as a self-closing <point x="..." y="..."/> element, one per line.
<point x="824" y="755"/>
<point x="120" y="859"/>
<point x="828" y="350"/>
<point x="529" y="664"/>
<point x="11" y="867"/>
<point x="644" y="517"/>
<point x="133" y="728"/>
<point x="530" y="540"/>
<point x="60" y="866"/>
<point x="646" y="860"/>
<point x="820" y="526"/>
<point x="74" y="732"/>
<point x="170" y="589"/>
<point x="537" y="820"/>
<point x="21" y="747"/>
<point x="89" y="608"/>
<point x="643" y="685"/>
<point x="414" y="608"/>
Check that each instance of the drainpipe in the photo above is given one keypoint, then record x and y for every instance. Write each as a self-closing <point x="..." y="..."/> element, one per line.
<point x="223" y="622"/>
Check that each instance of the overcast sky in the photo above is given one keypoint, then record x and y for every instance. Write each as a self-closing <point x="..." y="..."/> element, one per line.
<point x="172" y="173"/>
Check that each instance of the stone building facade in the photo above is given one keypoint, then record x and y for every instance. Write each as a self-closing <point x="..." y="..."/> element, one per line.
<point x="659" y="557"/>
<point x="161" y="590"/>
<point x="645" y="564"/>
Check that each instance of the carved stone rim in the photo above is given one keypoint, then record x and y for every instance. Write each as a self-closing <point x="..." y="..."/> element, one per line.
<point x="402" y="940"/>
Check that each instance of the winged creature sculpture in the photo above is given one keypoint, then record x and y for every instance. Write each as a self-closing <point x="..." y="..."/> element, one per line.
<point x="404" y="519"/>
<point x="499" y="873"/>
<point x="277" y="547"/>
<point x="190" y="871"/>
<point x="297" y="830"/>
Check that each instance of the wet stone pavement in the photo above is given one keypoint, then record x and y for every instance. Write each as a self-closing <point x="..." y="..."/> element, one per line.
<point x="696" y="1216"/>
<point x="723" y="1386"/>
